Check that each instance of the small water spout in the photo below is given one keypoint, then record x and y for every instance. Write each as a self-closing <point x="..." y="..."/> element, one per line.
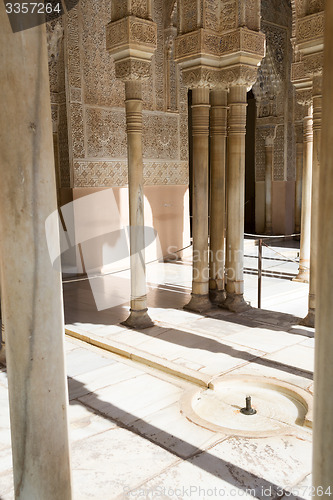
<point x="248" y="410"/>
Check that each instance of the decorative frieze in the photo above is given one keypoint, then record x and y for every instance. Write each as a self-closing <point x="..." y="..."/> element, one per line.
<point x="114" y="173"/>
<point x="310" y="28"/>
<point x="206" y="43"/>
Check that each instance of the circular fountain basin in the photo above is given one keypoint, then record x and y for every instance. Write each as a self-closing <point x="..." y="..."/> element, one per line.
<point x="279" y="406"/>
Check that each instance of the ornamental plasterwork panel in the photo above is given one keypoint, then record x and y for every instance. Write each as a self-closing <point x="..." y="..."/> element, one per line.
<point x="73" y="48"/>
<point x="253" y="14"/>
<point x="160" y="136"/>
<point x="166" y="173"/>
<point x="310" y="28"/>
<point x="260" y="156"/>
<point x="291" y="155"/>
<point x="130" y="30"/>
<point x="75" y="95"/>
<point x="54" y="32"/>
<point x="97" y="129"/>
<point x="276" y="11"/>
<point x="189" y="15"/>
<point x="229" y="15"/>
<point x="315" y="6"/>
<point x="65" y="178"/>
<point x="277" y="39"/>
<point x="205" y="42"/>
<point x="77" y="136"/>
<point x="100" y="174"/>
<point x="156" y="86"/>
<point x="279" y="144"/>
<point x="212" y="15"/>
<point x="115" y="173"/>
<point x="106" y="133"/>
<point x="100" y="84"/>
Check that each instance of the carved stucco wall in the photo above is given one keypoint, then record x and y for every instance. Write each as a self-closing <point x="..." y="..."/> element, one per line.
<point x="276" y="23"/>
<point x="55" y="41"/>
<point x="95" y="104"/>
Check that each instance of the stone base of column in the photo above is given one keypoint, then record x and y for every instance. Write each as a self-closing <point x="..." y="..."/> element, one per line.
<point x="217" y="297"/>
<point x="138" y="320"/>
<point x="303" y="276"/>
<point x="309" y="319"/>
<point x="199" y="304"/>
<point x="268" y="231"/>
<point x="236" y="303"/>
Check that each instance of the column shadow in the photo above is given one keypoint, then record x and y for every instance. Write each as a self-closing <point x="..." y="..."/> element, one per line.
<point x="205" y="460"/>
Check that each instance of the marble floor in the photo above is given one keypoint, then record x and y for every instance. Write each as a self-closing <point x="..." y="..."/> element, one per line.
<point x="129" y="437"/>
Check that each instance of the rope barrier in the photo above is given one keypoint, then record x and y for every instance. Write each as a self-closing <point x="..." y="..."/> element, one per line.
<point x="282" y="236"/>
<point x="285" y="257"/>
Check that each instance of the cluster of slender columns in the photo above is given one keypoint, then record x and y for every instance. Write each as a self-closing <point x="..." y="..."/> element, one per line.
<point x="31" y="293"/>
<point x="218" y="271"/>
<point x="298" y="187"/>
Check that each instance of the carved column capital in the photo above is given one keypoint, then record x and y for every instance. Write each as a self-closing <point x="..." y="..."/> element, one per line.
<point x="304" y="96"/>
<point x="268" y="132"/>
<point x="132" y="42"/>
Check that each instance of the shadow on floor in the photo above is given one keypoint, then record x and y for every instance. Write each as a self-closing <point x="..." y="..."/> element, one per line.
<point x="232" y="474"/>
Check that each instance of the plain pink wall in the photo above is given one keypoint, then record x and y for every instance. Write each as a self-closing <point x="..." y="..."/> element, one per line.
<point x="106" y="211"/>
<point x="283" y="207"/>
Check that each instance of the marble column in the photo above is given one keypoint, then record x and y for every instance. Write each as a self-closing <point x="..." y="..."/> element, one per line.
<point x="304" y="258"/>
<point x="269" y="157"/>
<point x="323" y="372"/>
<point x="309" y="320"/>
<point x="235" y="195"/>
<point x="218" y="134"/>
<point x="30" y="287"/>
<point x="200" y="131"/>
<point x="138" y="317"/>
<point x="298" y="183"/>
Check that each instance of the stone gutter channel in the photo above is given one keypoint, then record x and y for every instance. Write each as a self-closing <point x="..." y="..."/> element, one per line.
<point x="140" y="356"/>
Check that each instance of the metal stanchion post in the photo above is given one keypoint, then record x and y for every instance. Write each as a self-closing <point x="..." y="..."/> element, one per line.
<point x="259" y="271"/>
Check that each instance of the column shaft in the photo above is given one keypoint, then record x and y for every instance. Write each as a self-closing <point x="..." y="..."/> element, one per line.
<point x="31" y="292"/>
<point x="138" y="317"/>
<point x="309" y="320"/>
<point x="298" y="187"/>
<point x="235" y="198"/>
<point x="304" y="258"/>
<point x="200" y="131"/>
<point x="218" y="133"/>
<point x="268" y="187"/>
<point x="323" y="372"/>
